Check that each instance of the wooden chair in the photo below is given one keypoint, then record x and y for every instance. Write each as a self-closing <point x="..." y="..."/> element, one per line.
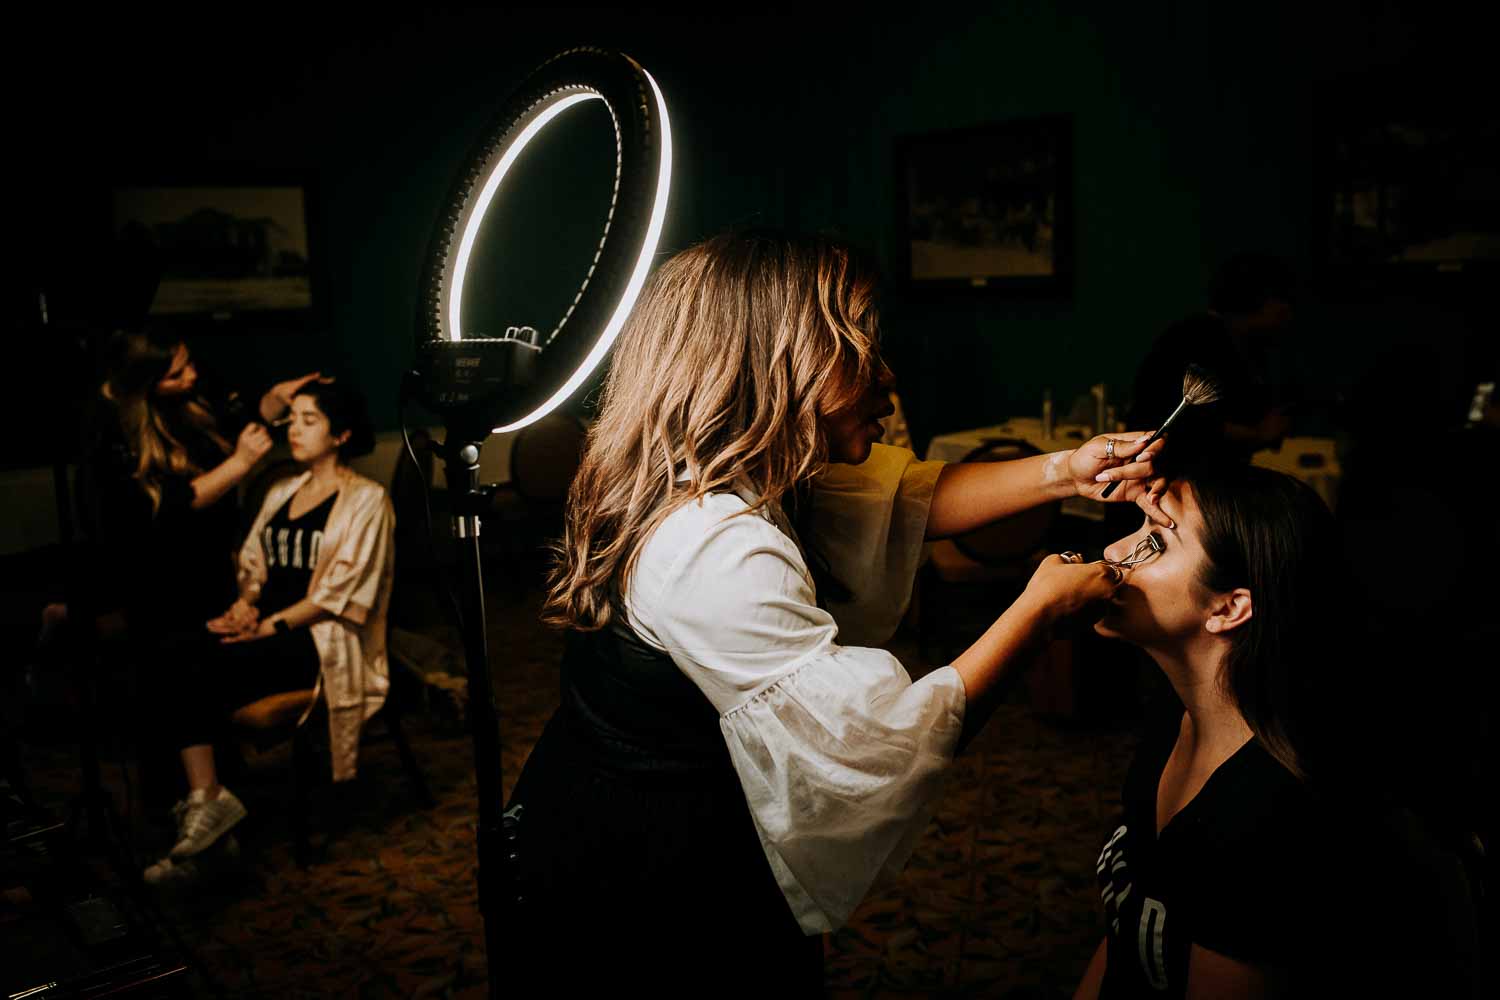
<point x="543" y="461"/>
<point x="273" y="720"/>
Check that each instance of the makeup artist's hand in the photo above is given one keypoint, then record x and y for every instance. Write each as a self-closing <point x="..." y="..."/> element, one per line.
<point x="278" y="398"/>
<point x="1064" y="587"/>
<point x="254" y="441"/>
<point x="284" y="391"/>
<point x="1093" y="468"/>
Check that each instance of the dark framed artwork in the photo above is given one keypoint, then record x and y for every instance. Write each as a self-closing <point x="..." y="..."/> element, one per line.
<point x="988" y="207"/>
<point x="1413" y="189"/>
<point x="237" y="253"/>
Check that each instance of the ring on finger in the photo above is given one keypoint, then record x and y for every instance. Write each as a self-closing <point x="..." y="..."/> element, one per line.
<point x="1109" y="447"/>
<point x="1070" y="557"/>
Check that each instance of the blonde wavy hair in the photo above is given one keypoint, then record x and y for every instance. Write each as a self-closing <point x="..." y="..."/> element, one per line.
<point x="138" y="361"/>
<point x="736" y="351"/>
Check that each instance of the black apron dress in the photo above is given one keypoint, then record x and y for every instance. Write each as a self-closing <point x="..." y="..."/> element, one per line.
<point x="633" y="857"/>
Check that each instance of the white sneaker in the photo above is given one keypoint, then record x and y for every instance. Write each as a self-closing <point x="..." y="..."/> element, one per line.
<point x="201" y="820"/>
<point x="169" y="873"/>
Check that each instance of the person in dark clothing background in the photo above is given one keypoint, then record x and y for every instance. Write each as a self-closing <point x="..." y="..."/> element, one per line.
<point x="1235" y="340"/>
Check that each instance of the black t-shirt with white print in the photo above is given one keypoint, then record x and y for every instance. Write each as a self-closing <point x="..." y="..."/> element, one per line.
<point x="292" y="547"/>
<point x="1245" y="869"/>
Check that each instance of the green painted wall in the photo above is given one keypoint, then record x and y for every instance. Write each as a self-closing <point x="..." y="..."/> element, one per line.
<point x="1196" y="133"/>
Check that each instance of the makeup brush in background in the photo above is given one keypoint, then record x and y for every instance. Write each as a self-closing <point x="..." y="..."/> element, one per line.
<point x="1198" y="389"/>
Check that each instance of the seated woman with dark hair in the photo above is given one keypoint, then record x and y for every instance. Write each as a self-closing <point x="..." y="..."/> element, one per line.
<point x="315" y="579"/>
<point x="1249" y="860"/>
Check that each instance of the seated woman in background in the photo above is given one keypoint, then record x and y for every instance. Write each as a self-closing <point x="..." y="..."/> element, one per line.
<point x="315" y="579"/>
<point x="161" y="482"/>
<point x="1247" y="861"/>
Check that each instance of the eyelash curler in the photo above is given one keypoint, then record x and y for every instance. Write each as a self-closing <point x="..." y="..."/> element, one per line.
<point x="1148" y="547"/>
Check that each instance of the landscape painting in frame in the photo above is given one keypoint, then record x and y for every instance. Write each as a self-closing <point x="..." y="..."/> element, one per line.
<point x="224" y="251"/>
<point x="987" y="207"/>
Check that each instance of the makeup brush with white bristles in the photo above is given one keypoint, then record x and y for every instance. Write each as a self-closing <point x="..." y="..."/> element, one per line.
<point x="1198" y="389"/>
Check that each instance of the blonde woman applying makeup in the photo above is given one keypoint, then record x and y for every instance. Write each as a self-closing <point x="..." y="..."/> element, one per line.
<point x="735" y="763"/>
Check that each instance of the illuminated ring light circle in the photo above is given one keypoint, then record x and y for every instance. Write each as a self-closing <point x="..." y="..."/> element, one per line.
<point x="582" y="337"/>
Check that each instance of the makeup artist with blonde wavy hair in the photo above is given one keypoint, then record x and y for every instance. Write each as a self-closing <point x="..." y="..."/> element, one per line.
<point x="734" y="763"/>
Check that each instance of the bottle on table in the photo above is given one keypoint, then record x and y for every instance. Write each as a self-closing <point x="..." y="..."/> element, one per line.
<point x="1100" y="392"/>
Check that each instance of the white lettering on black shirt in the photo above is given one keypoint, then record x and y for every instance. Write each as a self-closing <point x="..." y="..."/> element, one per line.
<point x="289" y="548"/>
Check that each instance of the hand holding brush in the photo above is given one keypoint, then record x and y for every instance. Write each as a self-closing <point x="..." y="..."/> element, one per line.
<point x="1107" y="460"/>
<point x="1198" y="389"/>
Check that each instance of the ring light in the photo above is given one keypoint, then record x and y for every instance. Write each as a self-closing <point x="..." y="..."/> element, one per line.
<point x="482" y="384"/>
<point x="502" y="383"/>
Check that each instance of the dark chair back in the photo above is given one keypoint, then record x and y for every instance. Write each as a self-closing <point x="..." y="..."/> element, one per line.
<point x="415" y="501"/>
<point x="545" y="456"/>
<point x="1014" y="537"/>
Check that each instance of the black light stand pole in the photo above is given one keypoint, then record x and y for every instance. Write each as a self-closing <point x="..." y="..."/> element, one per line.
<point x="482" y="380"/>
<point x="460" y="454"/>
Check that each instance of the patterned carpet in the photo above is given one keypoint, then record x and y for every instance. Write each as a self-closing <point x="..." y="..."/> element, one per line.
<point x="998" y="900"/>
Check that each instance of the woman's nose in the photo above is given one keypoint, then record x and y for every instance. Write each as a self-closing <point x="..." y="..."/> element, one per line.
<point x="1115" y="551"/>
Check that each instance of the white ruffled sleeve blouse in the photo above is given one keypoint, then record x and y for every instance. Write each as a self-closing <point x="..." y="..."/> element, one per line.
<point x="839" y="753"/>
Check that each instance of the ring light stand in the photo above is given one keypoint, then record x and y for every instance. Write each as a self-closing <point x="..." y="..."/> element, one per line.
<point x="482" y="384"/>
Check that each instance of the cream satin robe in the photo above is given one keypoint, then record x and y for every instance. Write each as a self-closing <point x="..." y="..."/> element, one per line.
<point x="352" y="582"/>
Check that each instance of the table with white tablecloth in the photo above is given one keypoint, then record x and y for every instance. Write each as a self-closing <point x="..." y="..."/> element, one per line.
<point x="1314" y="460"/>
<point x="958" y="445"/>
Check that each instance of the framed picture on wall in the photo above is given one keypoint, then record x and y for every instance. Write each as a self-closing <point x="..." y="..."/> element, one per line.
<point x="988" y="207"/>
<point x="225" y="252"/>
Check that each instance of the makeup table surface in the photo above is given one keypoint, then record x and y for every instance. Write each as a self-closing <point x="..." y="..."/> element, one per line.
<point x="955" y="446"/>
<point x="1314" y="460"/>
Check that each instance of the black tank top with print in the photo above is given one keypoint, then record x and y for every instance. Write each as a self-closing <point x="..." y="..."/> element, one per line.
<point x="292" y="551"/>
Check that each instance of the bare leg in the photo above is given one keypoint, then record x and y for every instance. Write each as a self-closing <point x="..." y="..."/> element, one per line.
<point x="198" y="762"/>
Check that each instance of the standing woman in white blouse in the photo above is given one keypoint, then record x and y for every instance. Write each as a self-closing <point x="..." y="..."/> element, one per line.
<point x="734" y="764"/>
